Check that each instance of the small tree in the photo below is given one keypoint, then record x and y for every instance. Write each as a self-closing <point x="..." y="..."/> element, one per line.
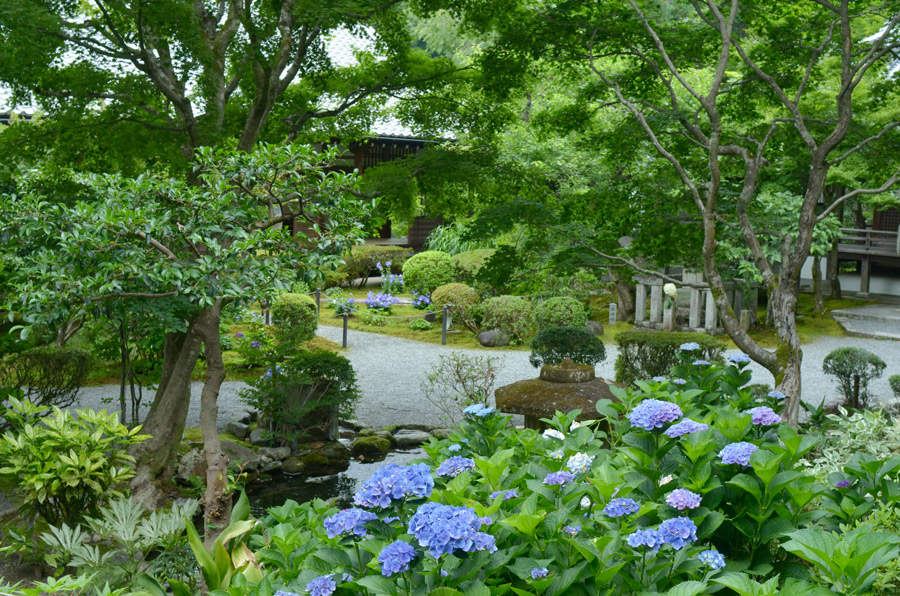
<point x="460" y="380"/>
<point x="854" y="368"/>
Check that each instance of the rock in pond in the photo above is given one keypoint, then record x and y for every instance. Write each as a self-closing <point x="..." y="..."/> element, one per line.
<point x="370" y="446"/>
<point x="411" y="438"/>
<point x="331" y="458"/>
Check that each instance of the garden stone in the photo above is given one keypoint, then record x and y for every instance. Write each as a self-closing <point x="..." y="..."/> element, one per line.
<point x="331" y="458"/>
<point x="293" y="465"/>
<point x="410" y="438"/>
<point x="257" y="438"/>
<point x="193" y="463"/>
<point x="442" y="433"/>
<point x="370" y="446"/>
<point x="494" y="338"/>
<point x="354" y="425"/>
<point x="366" y="432"/>
<point x="271" y="467"/>
<point x="387" y="435"/>
<point x="238" y="430"/>
<point x="239" y="454"/>
<point x="595" y="327"/>
<point x="275" y="453"/>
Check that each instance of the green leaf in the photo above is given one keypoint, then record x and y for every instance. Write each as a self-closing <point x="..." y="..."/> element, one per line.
<point x="241" y="509"/>
<point x="748" y="484"/>
<point x="204" y="559"/>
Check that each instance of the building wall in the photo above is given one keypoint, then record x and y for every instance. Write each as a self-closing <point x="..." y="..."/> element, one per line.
<point x="879" y="282"/>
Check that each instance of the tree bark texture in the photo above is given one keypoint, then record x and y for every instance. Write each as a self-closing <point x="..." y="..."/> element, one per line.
<point x="817" y="284"/>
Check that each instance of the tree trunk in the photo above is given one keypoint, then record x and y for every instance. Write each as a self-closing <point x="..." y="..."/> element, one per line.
<point x="624" y="297"/>
<point x="216" y="499"/>
<point x="155" y="457"/>
<point x="817" y="284"/>
<point x="788" y="354"/>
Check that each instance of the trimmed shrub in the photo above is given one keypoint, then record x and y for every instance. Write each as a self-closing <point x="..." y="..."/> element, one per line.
<point x="648" y="354"/>
<point x="462" y="298"/>
<point x="561" y="311"/>
<point x="469" y="262"/>
<point x="295" y="318"/>
<point x="428" y="270"/>
<point x="555" y="344"/>
<point x="853" y="368"/>
<point x="512" y="314"/>
<point x="894" y="381"/>
<point x="46" y="376"/>
<point x="360" y="261"/>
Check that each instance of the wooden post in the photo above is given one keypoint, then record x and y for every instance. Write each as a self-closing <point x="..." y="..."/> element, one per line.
<point x="613" y="313"/>
<point x="656" y="296"/>
<point x="640" y="303"/>
<point x="444" y="318"/>
<point x="268" y="320"/>
<point x="711" y="313"/>
<point x="318" y="301"/>
<point x="864" y="276"/>
<point x="344" y="342"/>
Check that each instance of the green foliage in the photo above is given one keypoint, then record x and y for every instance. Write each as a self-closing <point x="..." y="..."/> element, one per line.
<point x="64" y="467"/>
<point x="371" y="318"/>
<point x="468" y="263"/>
<point x="295" y="318"/>
<point x="853" y="368"/>
<point x="870" y="432"/>
<point x="420" y="325"/>
<point x="360" y="261"/>
<point x="256" y="346"/>
<point x="647" y="354"/>
<point x="578" y="285"/>
<point x="47" y="376"/>
<point x="428" y="270"/>
<point x="894" y="382"/>
<point x="128" y="542"/>
<point x="512" y="314"/>
<point x="463" y="300"/>
<point x="451" y="239"/>
<point x="302" y="397"/>
<point x="554" y="344"/>
<point x="560" y="312"/>
<point x="459" y="380"/>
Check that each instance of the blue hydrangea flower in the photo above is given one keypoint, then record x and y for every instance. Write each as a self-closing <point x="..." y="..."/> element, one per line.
<point x="580" y="463"/>
<point x="679" y="381"/>
<point x="682" y="499"/>
<point x="391" y="519"/>
<point x="349" y="520"/>
<point x="737" y="453"/>
<point x="455" y="466"/>
<point x="396" y="557"/>
<point x="454" y="447"/>
<point x="486" y="521"/>
<point x="621" y="506"/>
<point x="776" y="394"/>
<point x="479" y="410"/>
<point x="394" y="482"/>
<point x="507" y="494"/>
<point x="558" y="478"/>
<point x="558" y="454"/>
<point x="764" y="416"/>
<point x="678" y="531"/>
<point x="653" y="413"/>
<point x="739" y="358"/>
<point x="444" y="573"/>
<point x="539" y="572"/>
<point x="321" y="586"/>
<point x="685" y="427"/>
<point x="443" y="529"/>
<point x="701" y="362"/>
<point x="572" y="530"/>
<point x="648" y="538"/>
<point x="691" y="346"/>
<point x="283" y="593"/>
<point x="658" y="379"/>
<point x="843" y="484"/>
<point x="713" y="558"/>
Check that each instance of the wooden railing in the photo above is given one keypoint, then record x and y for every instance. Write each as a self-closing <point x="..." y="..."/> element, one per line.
<point x="868" y="242"/>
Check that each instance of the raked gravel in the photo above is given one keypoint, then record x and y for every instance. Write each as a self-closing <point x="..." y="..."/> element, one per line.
<point x="390" y="372"/>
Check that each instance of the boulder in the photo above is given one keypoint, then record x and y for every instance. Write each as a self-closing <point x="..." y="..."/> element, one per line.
<point x="241" y="456"/>
<point x="541" y="398"/>
<point x="258" y="437"/>
<point x="354" y="425"/>
<point x="331" y="458"/>
<point x="411" y="438"/>
<point x="595" y="327"/>
<point x="275" y="453"/>
<point x="366" y="432"/>
<point x="495" y="338"/>
<point x="293" y="465"/>
<point x="387" y="435"/>
<point x="370" y="447"/>
<point x="271" y="466"/>
<point x="238" y="430"/>
<point x="193" y="463"/>
<point x="442" y="433"/>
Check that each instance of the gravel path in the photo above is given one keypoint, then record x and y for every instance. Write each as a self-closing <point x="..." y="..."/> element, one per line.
<point x="390" y="371"/>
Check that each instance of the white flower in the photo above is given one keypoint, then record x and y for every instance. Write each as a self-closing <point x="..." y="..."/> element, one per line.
<point x="579" y="463"/>
<point x="585" y="502"/>
<point x="670" y="290"/>
<point x="575" y="425"/>
<point x="665" y="480"/>
<point x="552" y="432"/>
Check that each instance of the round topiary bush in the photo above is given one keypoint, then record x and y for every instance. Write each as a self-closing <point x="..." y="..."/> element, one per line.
<point x="560" y="312"/>
<point x="296" y="319"/>
<point x="554" y="344"/>
<point x="462" y="298"/>
<point x="894" y="381"/>
<point x="853" y="368"/>
<point x="427" y="271"/>
<point x="512" y="314"/>
<point x="469" y="262"/>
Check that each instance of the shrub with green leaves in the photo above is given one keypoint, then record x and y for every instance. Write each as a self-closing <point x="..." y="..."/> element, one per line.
<point x="420" y="325"/>
<point x="560" y="312"/>
<point x="853" y="368"/>
<point x="463" y="299"/>
<point x="256" y="346"/>
<point x="512" y="314"/>
<point x="894" y="382"/>
<point x="46" y="375"/>
<point x="65" y="467"/>
<point x="295" y="318"/>
<point x="555" y="344"/>
<point x="648" y="354"/>
<point x="469" y="262"/>
<point x="303" y="397"/>
<point x="361" y="260"/>
<point x="426" y="271"/>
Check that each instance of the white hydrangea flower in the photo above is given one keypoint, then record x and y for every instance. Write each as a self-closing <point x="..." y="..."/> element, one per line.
<point x="585" y="502"/>
<point x="670" y="290"/>
<point x="579" y="463"/>
<point x="553" y="433"/>
<point x="665" y="480"/>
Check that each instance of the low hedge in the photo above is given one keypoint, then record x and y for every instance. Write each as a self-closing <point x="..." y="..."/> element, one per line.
<point x="648" y="354"/>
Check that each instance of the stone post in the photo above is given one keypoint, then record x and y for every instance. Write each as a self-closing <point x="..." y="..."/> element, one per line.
<point x="745" y="320"/>
<point x="613" y="313"/>
<point x="711" y="313"/>
<point x="753" y="305"/>
<point x="640" y="303"/>
<point x="656" y="303"/>
<point x="669" y="318"/>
